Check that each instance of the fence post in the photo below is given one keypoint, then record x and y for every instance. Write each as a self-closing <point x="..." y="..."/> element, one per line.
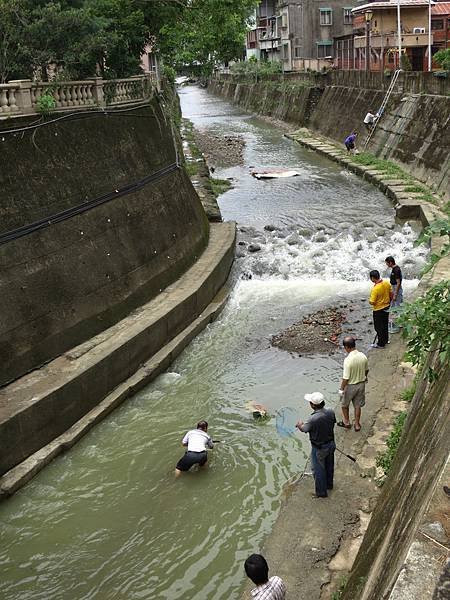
<point x="97" y="91"/>
<point x="23" y="96"/>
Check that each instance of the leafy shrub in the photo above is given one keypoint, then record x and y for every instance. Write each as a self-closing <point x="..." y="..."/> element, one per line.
<point x="442" y="58"/>
<point x="426" y="323"/>
<point x="169" y="73"/>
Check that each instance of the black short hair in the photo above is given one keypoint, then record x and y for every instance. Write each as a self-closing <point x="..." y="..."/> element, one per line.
<point x="202" y="425"/>
<point x="375" y="274"/>
<point x="349" y="342"/>
<point x="317" y="406"/>
<point x="257" y="569"/>
<point x="389" y="259"/>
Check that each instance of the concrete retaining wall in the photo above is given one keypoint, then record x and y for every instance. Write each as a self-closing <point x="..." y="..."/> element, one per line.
<point x="69" y="281"/>
<point x="413" y="130"/>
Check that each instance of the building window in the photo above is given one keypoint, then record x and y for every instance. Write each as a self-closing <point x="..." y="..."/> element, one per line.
<point x="324" y="49"/>
<point x="298" y="51"/>
<point x="285" y="51"/>
<point x="347" y="16"/>
<point x="437" y="24"/>
<point x="326" y="16"/>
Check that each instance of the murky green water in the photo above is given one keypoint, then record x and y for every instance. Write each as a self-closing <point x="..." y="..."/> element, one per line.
<point x="108" y="519"/>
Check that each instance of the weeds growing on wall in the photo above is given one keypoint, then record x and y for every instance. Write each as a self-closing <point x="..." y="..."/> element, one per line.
<point x="337" y="595"/>
<point x="441" y="228"/>
<point x="386" y="458"/>
<point x="408" y="394"/>
<point x="46" y="103"/>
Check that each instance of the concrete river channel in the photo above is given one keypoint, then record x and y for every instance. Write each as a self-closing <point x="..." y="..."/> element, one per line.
<point x="107" y="519"/>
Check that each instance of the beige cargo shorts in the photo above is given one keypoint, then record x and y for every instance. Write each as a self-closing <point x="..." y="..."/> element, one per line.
<point x="356" y="393"/>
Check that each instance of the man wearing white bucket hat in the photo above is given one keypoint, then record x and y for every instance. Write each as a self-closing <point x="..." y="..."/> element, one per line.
<point x="320" y="427"/>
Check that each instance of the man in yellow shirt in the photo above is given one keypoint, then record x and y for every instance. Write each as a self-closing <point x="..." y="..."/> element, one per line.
<point x="380" y="300"/>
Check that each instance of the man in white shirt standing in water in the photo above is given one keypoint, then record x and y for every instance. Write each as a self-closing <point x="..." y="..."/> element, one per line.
<point x="197" y="441"/>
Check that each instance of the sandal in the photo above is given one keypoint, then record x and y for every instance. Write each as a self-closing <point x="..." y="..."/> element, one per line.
<point x="342" y="424"/>
<point x="358" y="428"/>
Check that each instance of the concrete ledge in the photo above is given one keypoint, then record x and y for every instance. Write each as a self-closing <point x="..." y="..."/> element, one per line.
<point x="22" y="473"/>
<point x="43" y="405"/>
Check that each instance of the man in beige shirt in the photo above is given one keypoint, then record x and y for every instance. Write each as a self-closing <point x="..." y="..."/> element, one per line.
<point x="353" y="384"/>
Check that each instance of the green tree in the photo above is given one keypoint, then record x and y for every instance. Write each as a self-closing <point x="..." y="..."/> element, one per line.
<point x="442" y="58"/>
<point x="107" y="37"/>
<point x="206" y="32"/>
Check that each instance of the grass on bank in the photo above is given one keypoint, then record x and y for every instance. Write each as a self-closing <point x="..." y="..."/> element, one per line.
<point x="219" y="186"/>
<point x="393" y="171"/>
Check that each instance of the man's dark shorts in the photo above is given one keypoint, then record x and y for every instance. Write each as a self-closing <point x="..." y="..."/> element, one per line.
<point x="192" y="458"/>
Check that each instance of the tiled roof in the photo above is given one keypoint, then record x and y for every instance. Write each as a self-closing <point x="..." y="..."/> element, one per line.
<point x="441" y="8"/>
<point x="392" y="4"/>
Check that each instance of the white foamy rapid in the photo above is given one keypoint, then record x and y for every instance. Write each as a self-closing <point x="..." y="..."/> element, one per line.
<point x="330" y="256"/>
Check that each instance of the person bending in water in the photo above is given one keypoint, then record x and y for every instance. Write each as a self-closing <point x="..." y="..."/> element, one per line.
<point x="197" y="441"/>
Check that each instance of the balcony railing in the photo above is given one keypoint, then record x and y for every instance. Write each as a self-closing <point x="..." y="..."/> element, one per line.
<point x="390" y="39"/>
<point x="24" y="97"/>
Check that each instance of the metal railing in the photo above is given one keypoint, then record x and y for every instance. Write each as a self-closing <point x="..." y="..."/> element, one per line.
<point x="383" y="105"/>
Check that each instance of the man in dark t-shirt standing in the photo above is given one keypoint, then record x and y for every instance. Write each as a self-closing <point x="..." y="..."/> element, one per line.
<point x="397" y="290"/>
<point x="320" y="427"/>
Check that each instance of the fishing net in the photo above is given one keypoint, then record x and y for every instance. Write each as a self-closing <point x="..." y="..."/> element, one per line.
<point x="287" y="417"/>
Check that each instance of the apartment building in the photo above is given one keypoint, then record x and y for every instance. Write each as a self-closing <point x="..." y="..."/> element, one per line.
<point x="295" y="30"/>
<point x="440" y="26"/>
<point x="376" y="42"/>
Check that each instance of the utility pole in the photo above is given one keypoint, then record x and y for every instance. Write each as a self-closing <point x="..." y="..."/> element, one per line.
<point x="399" y="35"/>
<point x="429" y="35"/>
<point x="368" y="14"/>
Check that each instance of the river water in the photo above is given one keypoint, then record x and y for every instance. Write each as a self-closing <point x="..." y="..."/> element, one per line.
<point x="108" y="519"/>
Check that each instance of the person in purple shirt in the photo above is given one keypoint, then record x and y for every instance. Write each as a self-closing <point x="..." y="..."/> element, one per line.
<point x="350" y="142"/>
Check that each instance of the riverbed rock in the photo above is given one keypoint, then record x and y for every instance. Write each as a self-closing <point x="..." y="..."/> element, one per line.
<point x="254" y="248"/>
<point x="293" y="239"/>
<point x="271" y="227"/>
<point x="316" y="333"/>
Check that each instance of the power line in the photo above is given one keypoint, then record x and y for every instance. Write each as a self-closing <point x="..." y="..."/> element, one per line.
<point x="15" y="234"/>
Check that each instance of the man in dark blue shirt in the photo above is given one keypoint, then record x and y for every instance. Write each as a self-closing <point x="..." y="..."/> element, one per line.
<point x="320" y="427"/>
<point x="397" y="290"/>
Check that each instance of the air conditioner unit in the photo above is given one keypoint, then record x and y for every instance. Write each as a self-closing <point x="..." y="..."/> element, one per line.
<point x="418" y="29"/>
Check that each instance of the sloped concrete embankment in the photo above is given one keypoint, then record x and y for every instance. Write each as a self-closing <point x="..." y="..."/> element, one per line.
<point x="48" y="410"/>
<point x="396" y="559"/>
<point x="110" y="220"/>
<point x="413" y="130"/>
